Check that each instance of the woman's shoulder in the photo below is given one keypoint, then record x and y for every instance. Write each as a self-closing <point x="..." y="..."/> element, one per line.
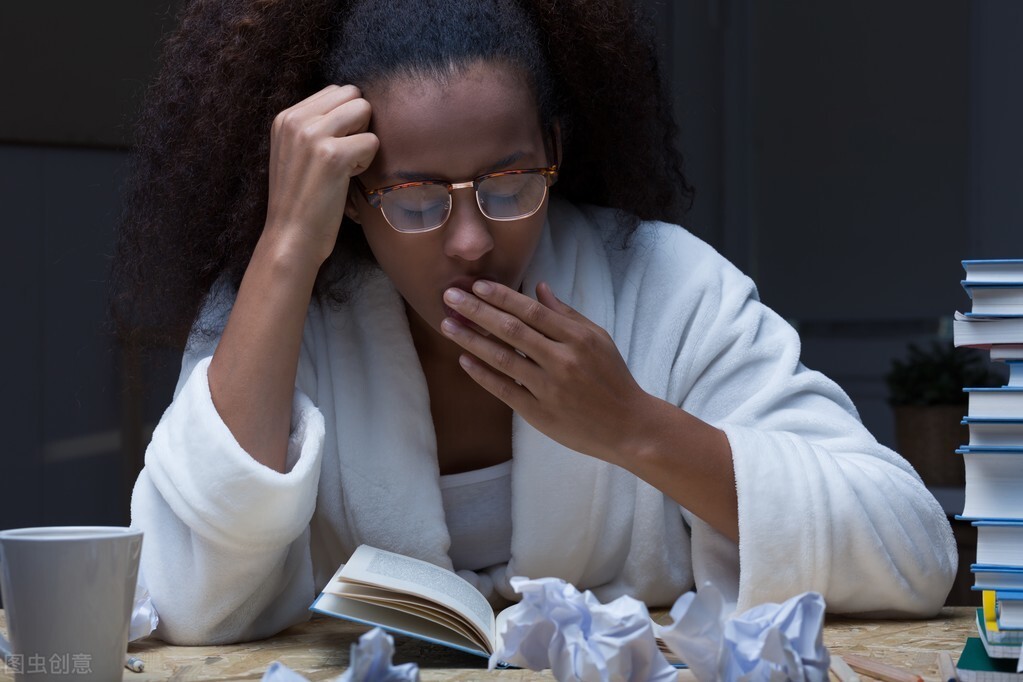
<point x="653" y="247"/>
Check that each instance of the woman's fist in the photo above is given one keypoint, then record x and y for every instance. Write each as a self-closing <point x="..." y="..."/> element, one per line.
<point x="316" y="146"/>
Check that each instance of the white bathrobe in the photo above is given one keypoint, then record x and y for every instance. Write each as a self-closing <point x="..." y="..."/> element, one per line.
<point x="236" y="551"/>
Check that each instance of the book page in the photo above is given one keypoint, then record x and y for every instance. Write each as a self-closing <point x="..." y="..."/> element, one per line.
<point x="380" y="568"/>
<point x="401" y="601"/>
<point x="398" y="622"/>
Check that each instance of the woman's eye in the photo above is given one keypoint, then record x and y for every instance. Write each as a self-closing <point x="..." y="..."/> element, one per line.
<point x="501" y="197"/>
<point x="419" y="200"/>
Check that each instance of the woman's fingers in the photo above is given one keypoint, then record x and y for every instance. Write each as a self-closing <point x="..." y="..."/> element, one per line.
<point x="363" y="147"/>
<point x="574" y="386"/>
<point x="316" y="146"/>
<point x="327" y="99"/>
<point x="545" y="295"/>
<point x="507" y="390"/>
<point x="347" y="118"/>
<point x="513" y="317"/>
<point x="503" y="357"/>
<point x="509" y="328"/>
<point x="307" y="125"/>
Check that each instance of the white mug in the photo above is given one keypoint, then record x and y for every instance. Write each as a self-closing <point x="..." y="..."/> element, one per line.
<point x="68" y="594"/>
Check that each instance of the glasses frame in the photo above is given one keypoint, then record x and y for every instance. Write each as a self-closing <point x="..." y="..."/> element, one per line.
<point x="375" y="196"/>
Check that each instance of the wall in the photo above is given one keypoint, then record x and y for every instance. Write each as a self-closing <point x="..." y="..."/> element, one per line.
<point x="71" y="79"/>
<point x="846" y="154"/>
<point x="860" y="151"/>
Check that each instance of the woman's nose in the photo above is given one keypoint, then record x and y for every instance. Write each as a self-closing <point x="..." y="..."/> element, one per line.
<point x="467" y="232"/>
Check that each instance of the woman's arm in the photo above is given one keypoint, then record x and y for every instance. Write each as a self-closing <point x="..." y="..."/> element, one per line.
<point x="787" y="469"/>
<point x="226" y="553"/>
<point x="230" y="482"/>
<point x="574" y="386"/>
<point x="316" y="146"/>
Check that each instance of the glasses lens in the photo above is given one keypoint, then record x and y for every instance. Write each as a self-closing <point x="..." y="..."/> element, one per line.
<point x="416" y="209"/>
<point x="516" y="195"/>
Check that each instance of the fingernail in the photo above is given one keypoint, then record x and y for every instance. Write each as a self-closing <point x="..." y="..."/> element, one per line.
<point x="483" y="287"/>
<point x="454" y="295"/>
<point x="448" y="325"/>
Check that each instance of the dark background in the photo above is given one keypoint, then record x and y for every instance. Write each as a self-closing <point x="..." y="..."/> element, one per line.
<point x="846" y="154"/>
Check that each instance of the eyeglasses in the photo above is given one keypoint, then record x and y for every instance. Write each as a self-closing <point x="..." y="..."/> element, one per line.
<point x="424" y="206"/>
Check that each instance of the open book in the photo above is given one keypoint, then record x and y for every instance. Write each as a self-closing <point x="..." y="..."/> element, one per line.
<point x="415" y="598"/>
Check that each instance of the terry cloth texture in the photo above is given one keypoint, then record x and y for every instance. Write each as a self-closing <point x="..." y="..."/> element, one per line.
<point x="235" y="551"/>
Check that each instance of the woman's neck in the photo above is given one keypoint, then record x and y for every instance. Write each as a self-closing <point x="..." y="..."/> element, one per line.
<point x="432" y="348"/>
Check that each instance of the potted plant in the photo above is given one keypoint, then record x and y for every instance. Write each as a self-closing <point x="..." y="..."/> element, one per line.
<point x="926" y="394"/>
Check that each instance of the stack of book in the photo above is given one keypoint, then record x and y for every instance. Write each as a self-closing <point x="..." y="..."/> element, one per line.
<point x="994" y="469"/>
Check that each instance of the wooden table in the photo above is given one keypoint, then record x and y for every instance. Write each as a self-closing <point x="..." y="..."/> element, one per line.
<point x="319" y="650"/>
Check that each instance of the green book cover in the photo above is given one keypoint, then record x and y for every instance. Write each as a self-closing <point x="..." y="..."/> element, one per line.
<point x="974" y="665"/>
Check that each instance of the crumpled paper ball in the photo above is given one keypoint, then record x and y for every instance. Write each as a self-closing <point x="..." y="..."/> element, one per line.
<point x="578" y="638"/>
<point x="370" y="661"/>
<point x="144" y="618"/>
<point x="768" y="643"/>
<point x="278" y="672"/>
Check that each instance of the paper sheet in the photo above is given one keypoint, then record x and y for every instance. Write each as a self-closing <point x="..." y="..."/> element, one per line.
<point x="578" y="638"/>
<point x="370" y="661"/>
<point x="770" y="642"/>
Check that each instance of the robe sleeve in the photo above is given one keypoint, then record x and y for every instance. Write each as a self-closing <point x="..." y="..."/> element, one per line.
<point x="225" y="552"/>
<point x="822" y="505"/>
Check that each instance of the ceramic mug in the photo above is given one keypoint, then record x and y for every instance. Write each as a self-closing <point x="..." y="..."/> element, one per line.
<point x="68" y="594"/>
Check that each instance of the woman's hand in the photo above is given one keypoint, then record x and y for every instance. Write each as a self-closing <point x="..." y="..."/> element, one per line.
<point x="316" y="146"/>
<point x="572" y="385"/>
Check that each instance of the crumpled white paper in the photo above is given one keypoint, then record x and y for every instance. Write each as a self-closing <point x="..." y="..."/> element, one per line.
<point x="278" y="672"/>
<point x="578" y="638"/>
<point x="370" y="661"/>
<point x="768" y="643"/>
<point x="144" y="618"/>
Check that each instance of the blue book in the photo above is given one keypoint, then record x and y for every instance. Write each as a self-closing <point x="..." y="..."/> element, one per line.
<point x="1015" y="379"/>
<point x="995" y="431"/>
<point x="994" y="270"/>
<point x="1000" y="542"/>
<point x="1010" y="609"/>
<point x="993" y="483"/>
<point x="983" y="331"/>
<point x="1005" y="402"/>
<point x="995" y="298"/>
<point x="996" y="577"/>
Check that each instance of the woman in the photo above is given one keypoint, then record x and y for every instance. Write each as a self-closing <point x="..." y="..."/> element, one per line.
<point x="438" y="316"/>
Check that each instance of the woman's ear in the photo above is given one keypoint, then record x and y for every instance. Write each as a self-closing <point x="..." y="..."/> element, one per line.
<point x="351" y="211"/>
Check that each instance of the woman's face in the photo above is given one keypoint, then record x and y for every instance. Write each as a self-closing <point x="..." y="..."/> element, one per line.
<point x="480" y="121"/>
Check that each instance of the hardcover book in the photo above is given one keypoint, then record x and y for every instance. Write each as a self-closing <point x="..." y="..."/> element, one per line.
<point x="969" y="329"/>
<point x="995" y="431"/>
<point x="994" y="479"/>
<point x="994" y="270"/>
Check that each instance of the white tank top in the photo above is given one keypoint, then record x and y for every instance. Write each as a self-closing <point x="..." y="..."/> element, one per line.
<point x="477" y="506"/>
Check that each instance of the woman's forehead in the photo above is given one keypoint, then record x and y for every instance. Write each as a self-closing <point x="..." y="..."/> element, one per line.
<point x="492" y="86"/>
<point x="465" y="122"/>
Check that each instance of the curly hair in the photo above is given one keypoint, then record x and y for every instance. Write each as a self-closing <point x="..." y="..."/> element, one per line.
<point x="196" y="196"/>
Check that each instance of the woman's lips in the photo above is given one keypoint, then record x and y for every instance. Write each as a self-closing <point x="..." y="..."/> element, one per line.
<point x="465" y="284"/>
